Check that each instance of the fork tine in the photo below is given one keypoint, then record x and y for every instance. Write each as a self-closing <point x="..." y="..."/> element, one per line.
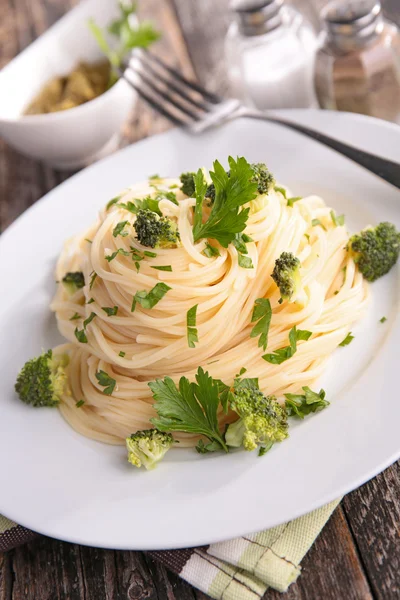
<point x="154" y="104"/>
<point x="180" y="89"/>
<point x="153" y="85"/>
<point x="213" y="98"/>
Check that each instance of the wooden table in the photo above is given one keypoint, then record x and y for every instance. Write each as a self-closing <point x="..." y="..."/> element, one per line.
<point x="357" y="557"/>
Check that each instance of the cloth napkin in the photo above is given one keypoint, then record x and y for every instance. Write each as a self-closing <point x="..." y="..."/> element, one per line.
<point x="240" y="569"/>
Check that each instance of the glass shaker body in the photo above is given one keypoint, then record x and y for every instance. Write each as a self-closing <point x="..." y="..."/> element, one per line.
<point x="273" y="70"/>
<point x="364" y="80"/>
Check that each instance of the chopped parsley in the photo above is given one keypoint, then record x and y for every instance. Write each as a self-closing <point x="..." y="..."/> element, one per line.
<point x="90" y="301"/>
<point x="347" y="340"/>
<point x="119" y="229"/>
<point x="122" y="354"/>
<point x="245" y="261"/>
<point x="151" y="298"/>
<point x="80" y="403"/>
<point x="93" y="279"/>
<point x="111" y="257"/>
<point x="383" y="320"/>
<point x="89" y="319"/>
<point x="337" y="220"/>
<point x="262" y="313"/>
<point x="283" y="354"/>
<point x="281" y="190"/>
<point x="301" y="405"/>
<point x="211" y="251"/>
<point x="152" y="177"/>
<point x="291" y="201"/>
<point x="75" y="316"/>
<point x="80" y="335"/>
<point x="112" y="202"/>
<point x="192" y="334"/>
<point x="106" y="381"/>
<point x="162" y="267"/>
<point x="88" y="241"/>
<point x="150" y="254"/>
<point x="316" y="222"/>
<point x="111" y="312"/>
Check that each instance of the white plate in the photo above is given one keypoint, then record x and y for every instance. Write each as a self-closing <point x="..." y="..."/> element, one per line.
<point x="63" y="485"/>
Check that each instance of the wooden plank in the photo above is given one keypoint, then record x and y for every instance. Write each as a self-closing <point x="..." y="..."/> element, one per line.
<point x="5" y="577"/>
<point x="373" y="512"/>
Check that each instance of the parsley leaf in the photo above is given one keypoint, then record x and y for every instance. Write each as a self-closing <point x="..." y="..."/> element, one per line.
<point x="162" y="267"/>
<point x="80" y="403"/>
<point x="192" y="334"/>
<point x="291" y="201"/>
<point x="80" y="335"/>
<point x="150" y="254"/>
<point x="153" y="177"/>
<point x="151" y="298"/>
<point x="245" y="261"/>
<point x="111" y="257"/>
<point x="231" y="192"/>
<point x="337" y="220"/>
<point x="76" y="316"/>
<point x="119" y="229"/>
<point x="316" y="222"/>
<point x="383" y="320"/>
<point x="283" y="354"/>
<point x="89" y="319"/>
<point x="106" y="381"/>
<point x="112" y="202"/>
<point x="281" y="190"/>
<point x="110" y="311"/>
<point x="93" y="279"/>
<point x="211" y="251"/>
<point x="122" y="354"/>
<point x="192" y="407"/>
<point x="301" y="405"/>
<point x="200" y="188"/>
<point x="262" y="313"/>
<point x="347" y="340"/>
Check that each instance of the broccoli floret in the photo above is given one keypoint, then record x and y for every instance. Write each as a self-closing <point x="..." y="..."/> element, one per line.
<point x="262" y="421"/>
<point x="43" y="380"/>
<point x="155" y="231"/>
<point x="148" y="447"/>
<point x="187" y="181"/>
<point x="73" y="281"/>
<point x="264" y="179"/>
<point x="375" y="250"/>
<point x="286" y="275"/>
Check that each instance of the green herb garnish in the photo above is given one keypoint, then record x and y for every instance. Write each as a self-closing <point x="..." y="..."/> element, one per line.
<point x="211" y="251"/>
<point x="301" y="405"/>
<point x="93" y="279"/>
<point x="119" y="229"/>
<point x="347" y="340"/>
<point x="111" y="312"/>
<point x="192" y="334"/>
<point x="262" y="313"/>
<point x="291" y="201"/>
<point x="106" y="381"/>
<point x="316" y="222"/>
<point x="383" y="320"/>
<point x="283" y="354"/>
<point x="80" y="335"/>
<point x="338" y="220"/>
<point x="281" y="190"/>
<point x="80" y="403"/>
<point x="151" y="298"/>
<point x="122" y="354"/>
<point x="162" y="267"/>
<point x="89" y="319"/>
<point x="192" y="407"/>
<point x="75" y="316"/>
<point x="112" y="202"/>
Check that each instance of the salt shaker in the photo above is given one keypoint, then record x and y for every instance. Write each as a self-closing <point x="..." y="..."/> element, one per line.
<point x="270" y="50"/>
<point x="357" y="67"/>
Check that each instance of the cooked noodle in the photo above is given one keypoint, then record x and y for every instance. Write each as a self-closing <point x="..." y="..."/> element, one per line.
<point x="155" y="340"/>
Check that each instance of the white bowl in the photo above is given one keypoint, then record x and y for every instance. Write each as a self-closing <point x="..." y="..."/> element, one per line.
<point x="72" y="137"/>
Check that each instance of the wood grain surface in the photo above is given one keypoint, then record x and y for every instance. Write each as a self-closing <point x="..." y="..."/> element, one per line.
<point x="357" y="556"/>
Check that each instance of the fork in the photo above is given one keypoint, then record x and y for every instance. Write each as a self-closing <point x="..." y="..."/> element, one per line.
<point x="187" y="104"/>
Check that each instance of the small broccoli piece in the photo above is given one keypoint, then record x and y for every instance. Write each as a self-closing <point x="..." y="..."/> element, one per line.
<point x="73" y="282"/>
<point x="42" y="381"/>
<point x="286" y="275"/>
<point x="375" y="250"/>
<point x="264" y="179"/>
<point x="187" y="181"/>
<point x="262" y="421"/>
<point x="148" y="447"/>
<point x="155" y="231"/>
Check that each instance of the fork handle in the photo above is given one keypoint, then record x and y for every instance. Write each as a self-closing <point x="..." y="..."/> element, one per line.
<point x="384" y="168"/>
